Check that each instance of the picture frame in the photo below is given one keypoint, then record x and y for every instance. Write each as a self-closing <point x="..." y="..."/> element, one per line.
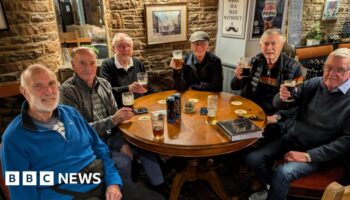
<point x="234" y="18"/>
<point x="166" y="23"/>
<point x="331" y="9"/>
<point x="268" y="14"/>
<point x="3" y="20"/>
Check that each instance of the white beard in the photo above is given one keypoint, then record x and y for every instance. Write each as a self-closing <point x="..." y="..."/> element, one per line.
<point x="37" y="103"/>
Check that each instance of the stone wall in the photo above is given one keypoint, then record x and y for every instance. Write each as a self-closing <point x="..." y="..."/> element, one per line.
<point x="128" y="16"/>
<point x="313" y="10"/>
<point x="32" y="37"/>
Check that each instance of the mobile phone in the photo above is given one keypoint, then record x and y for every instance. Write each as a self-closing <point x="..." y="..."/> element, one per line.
<point x="141" y="110"/>
<point x="203" y="111"/>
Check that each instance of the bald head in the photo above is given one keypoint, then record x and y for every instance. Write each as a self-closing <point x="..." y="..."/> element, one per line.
<point x="32" y="70"/>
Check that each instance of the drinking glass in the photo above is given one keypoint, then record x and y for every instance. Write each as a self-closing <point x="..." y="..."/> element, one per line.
<point x="177" y="57"/>
<point x="157" y="119"/>
<point x="245" y="64"/>
<point x="128" y="99"/>
<point x="290" y="85"/>
<point x="142" y="79"/>
<point x="212" y="109"/>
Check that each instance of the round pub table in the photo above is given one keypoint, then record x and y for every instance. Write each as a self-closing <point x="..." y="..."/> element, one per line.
<point x="191" y="137"/>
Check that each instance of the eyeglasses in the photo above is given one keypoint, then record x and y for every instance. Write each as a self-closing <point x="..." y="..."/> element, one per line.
<point x="338" y="70"/>
<point x="121" y="46"/>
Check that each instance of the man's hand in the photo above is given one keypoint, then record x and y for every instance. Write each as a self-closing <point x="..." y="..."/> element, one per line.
<point x="126" y="150"/>
<point x="272" y="119"/>
<point x="295" y="156"/>
<point x="136" y="88"/>
<point x="122" y="115"/>
<point x="113" y="193"/>
<point x="284" y="93"/>
<point x="238" y="72"/>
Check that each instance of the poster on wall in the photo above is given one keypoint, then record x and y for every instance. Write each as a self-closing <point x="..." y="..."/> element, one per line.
<point x="330" y="11"/>
<point x="295" y="22"/>
<point x="268" y="14"/>
<point x="234" y="18"/>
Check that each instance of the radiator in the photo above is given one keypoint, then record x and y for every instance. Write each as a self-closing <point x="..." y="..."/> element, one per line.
<point x="228" y="72"/>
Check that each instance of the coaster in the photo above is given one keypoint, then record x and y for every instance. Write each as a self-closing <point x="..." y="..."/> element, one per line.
<point x="162" y="101"/>
<point x="144" y="118"/>
<point x="240" y="112"/>
<point x="236" y="103"/>
<point x="193" y="100"/>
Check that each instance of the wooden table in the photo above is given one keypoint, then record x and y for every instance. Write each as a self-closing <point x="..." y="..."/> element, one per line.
<point x="74" y="41"/>
<point x="191" y="138"/>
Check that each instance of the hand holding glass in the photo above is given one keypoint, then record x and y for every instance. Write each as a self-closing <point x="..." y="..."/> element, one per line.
<point x="290" y="85"/>
<point x="128" y="99"/>
<point x="142" y="79"/>
<point x="177" y="58"/>
<point x="244" y="63"/>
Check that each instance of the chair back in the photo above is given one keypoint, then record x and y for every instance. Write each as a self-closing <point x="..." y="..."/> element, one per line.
<point x="73" y="37"/>
<point x="334" y="191"/>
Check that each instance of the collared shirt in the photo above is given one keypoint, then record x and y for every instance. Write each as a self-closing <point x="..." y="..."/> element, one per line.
<point x="119" y="66"/>
<point x="344" y="87"/>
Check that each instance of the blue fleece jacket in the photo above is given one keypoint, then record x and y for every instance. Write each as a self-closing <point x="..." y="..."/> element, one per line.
<point x="27" y="147"/>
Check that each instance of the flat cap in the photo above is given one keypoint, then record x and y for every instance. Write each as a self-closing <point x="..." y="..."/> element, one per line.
<point x="199" y="36"/>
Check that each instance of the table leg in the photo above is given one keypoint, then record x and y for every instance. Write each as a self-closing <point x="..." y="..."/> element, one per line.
<point x="191" y="173"/>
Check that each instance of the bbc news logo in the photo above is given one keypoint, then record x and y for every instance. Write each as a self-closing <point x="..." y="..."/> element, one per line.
<point x="46" y="178"/>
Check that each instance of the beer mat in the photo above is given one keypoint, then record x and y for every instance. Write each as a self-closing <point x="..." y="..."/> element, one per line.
<point x="193" y="100"/>
<point x="144" y="118"/>
<point x="163" y="101"/>
<point x="236" y="103"/>
<point x="240" y="112"/>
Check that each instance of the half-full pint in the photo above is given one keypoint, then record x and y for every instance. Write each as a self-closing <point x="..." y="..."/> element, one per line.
<point x="290" y="85"/>
<point x="157" y="119"/>
<point x="177" y="58"/>
<point x="211" y="120"/>
<point x="128" y="100"/>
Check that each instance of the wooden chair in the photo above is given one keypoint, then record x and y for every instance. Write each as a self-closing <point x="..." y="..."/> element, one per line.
<point x="70" y="38"/>
<point x="312" y="186"/>
<point x="335" y="191"/>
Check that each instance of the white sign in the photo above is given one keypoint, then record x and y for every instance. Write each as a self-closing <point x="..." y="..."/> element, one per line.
<point x="234" y="18"/>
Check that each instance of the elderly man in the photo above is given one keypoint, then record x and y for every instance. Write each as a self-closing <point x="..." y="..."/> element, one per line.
<point x="320" y="134"/>
<point x="121" y="70"/>
<point x="269" y="69"/>
<point x="201" y="70"/>
<point x="93" y="97"/>
<point x="51" y="137"/>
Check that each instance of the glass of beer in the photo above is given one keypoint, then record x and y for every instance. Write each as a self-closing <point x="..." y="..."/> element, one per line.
<point x="157" y="119"/>
<point x="128" y="99"/>
<point x="212" y="109"/>
<point x="177" y="58"/>
<point x="290" y="85"/>
<point x="142" y="79"/>
<point x="244" y="63"/>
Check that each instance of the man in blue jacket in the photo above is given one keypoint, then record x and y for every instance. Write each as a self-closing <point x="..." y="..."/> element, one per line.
<point x="50" y="137"/>
<point x="320" y="134"/>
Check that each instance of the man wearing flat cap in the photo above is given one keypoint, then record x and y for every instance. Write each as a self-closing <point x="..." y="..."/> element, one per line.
<point x="201" y="70"/>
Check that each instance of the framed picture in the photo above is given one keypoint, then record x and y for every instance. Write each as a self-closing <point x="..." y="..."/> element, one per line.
<point x="234" y="18"/>
<point x="268" y="14"/>
<point x="3" y="21"/>
<point x="166" y="23"/>
<point x="330" y="11"/>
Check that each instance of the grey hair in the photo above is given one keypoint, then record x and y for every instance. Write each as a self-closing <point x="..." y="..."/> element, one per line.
<point x="273" y="32"/>
<point x="78" y="50"/>
<point x="120" y="36"/>
<point x="342" y="53"/>
<point x="31" y="69"/>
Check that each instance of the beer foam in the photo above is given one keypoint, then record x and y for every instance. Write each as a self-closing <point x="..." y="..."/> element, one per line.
<point x="289" y="83"/>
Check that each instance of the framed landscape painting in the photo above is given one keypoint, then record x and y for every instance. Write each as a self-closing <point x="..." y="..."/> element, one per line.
<point x="166" y="23"/>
